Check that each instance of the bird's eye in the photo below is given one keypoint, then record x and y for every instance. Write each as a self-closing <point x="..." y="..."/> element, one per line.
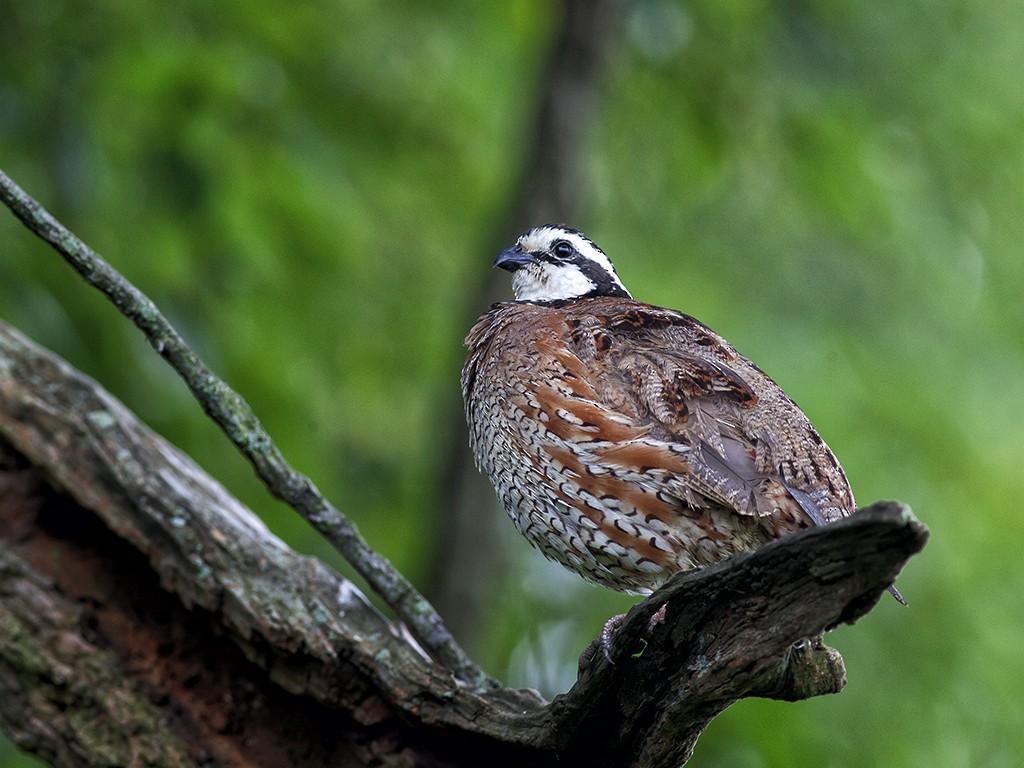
<point x="562" y="249"/>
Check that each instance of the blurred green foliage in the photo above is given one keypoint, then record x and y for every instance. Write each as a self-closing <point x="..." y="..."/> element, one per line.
<point x="311" y="192"/>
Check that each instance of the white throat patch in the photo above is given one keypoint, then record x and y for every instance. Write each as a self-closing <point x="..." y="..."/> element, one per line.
<point x="545" y="282"/>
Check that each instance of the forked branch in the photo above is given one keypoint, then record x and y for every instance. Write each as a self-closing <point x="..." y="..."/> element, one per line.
<point x="141" y="605"/>
<point x="238" y="421"/>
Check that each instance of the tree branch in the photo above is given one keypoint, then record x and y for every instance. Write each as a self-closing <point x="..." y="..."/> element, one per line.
<point x="140" y="520"/>
<point x="738" y="629"/>
<point x="57" y="671"/>
<point x="235" y="417"/>
<point x="193" y="629"/>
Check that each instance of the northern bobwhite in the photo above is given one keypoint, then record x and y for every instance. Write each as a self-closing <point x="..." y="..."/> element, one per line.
<point x="627" y="441"/>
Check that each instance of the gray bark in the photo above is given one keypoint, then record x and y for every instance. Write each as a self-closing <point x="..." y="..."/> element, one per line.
<point x="147" y="617"/>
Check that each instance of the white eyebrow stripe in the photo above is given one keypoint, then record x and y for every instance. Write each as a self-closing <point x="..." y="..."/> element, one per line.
<point x="542" y="238"/>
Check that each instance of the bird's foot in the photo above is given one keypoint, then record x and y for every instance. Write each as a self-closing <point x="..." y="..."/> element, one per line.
<point x="605" y="638"/>
<point x="658" y="617"/>
<point x="603" y="642"/>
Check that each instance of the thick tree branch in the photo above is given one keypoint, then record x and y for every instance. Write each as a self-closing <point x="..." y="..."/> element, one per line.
<point x="134" y="520"/>
<point x="141" y="602"/>
<point x="59" y="671"/>
<point x="739" y="629"/>
<point x="234" y="416"/>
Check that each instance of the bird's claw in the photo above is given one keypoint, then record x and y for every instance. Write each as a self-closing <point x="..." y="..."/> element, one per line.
<point x="603" y="641"/>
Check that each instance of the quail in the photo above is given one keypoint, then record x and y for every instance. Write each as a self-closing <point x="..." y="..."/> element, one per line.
<point x="628" y="441"/>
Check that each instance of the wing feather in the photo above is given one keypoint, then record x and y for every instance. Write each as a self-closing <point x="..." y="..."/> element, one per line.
<point x="698" y="398"/>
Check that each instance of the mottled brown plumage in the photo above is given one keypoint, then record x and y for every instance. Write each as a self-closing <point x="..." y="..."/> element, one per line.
<point x="627" y="441"/>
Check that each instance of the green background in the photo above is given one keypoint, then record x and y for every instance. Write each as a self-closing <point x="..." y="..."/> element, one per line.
<point x="314" y="192"/>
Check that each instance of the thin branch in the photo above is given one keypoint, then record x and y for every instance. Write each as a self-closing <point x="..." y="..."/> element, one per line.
<point x="238" y="421"/>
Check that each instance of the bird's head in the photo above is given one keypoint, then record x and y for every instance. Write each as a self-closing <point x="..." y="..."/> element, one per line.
<point x="553" y="263"/>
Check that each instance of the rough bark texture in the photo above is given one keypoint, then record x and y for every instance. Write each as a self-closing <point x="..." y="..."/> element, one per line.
<point x="146" y="617"/>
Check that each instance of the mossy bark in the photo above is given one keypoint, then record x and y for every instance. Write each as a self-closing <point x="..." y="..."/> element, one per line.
<point x="147" y="617"/>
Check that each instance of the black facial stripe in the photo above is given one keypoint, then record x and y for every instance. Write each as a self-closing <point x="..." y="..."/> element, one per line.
<point x="605" y="284"/>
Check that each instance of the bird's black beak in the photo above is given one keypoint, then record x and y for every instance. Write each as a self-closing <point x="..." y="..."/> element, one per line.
<point x="514" y="258"/>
